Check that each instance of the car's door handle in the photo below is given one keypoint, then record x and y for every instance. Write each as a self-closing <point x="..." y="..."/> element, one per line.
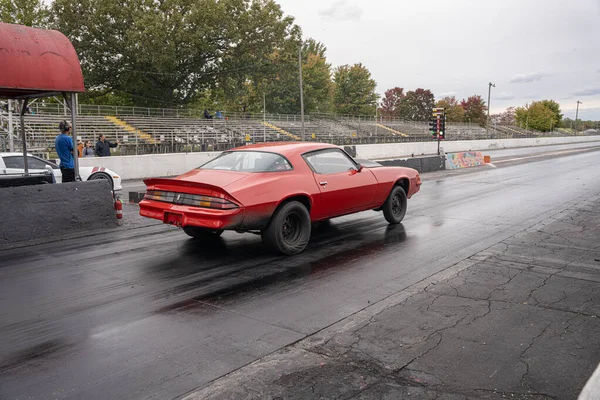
<point x="324" y="183"/>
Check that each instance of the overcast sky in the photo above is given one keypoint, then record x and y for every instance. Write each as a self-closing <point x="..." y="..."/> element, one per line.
<point x="531" y="49"/>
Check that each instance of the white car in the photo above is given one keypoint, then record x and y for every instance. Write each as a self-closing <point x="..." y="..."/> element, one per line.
<point x="12" y="163"/>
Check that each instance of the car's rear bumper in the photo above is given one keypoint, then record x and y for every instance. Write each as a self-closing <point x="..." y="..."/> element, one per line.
<point x="192" y="216"/>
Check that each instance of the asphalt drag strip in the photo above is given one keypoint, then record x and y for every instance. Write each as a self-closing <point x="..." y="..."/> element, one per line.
<point x="518" y="320"/>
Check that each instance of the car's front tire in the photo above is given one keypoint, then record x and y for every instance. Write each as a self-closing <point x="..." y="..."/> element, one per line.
<point x="394" y="208"/>
<point x="202" y="233"/>
<point x="289" y="230"/>
<point x="102" y="176"/>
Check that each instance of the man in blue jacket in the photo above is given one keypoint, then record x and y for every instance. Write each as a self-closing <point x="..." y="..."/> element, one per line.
<point x="64" y="149"/>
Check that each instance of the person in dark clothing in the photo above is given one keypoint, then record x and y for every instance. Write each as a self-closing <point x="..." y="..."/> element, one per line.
<point x="103" y="146"/>
<point x="207" y="115"/>
<point x="64" y="149"/>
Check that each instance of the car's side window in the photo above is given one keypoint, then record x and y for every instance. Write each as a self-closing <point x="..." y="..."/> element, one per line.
<point x="329" y="162"/>
<point x="35" y="163"/>
<point x="14" y="162"/>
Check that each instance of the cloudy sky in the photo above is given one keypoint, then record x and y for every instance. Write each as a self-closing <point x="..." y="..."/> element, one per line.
<point x="531" y="49"/>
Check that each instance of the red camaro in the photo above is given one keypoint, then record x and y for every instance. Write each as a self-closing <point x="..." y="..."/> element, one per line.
<point x="278" y="189"/>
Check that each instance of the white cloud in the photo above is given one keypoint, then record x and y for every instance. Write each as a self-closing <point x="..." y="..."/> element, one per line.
<point x="527" y="78"/>
<point x="448" y="94"/>
<point x="504" y="96"/>
<point x="342" y="10"/>
<point x="587" y="92"/>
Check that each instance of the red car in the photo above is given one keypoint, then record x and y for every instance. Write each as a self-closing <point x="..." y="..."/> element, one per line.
<point x="277" y="189"/>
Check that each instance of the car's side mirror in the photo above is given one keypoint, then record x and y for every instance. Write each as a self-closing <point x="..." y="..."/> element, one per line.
<point x="360" y="168"/>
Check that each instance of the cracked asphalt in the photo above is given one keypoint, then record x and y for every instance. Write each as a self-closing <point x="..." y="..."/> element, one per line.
<point x="517" y="320"/>
<point x="487" y="290"/>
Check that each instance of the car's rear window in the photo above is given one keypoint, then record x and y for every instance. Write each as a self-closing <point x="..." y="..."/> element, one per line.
<point x="249" y="161"/>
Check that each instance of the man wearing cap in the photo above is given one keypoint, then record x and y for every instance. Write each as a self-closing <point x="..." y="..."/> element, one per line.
<point x="64" y="149"/>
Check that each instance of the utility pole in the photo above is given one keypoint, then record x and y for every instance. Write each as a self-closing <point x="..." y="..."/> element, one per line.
<point x="487" y="126"/>
<point x="301" y="91"/>
<point x="577" y="115"/>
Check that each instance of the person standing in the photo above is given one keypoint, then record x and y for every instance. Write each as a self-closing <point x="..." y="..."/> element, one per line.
<point x="103" y="146"/>
<point x="64" y="148"/>
<point x="79" y="148"/>
<point x="88" y="150"/>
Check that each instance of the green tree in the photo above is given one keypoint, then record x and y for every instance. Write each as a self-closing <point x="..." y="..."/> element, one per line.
<point x="535" y="116"/>
<point x="555" y="108"/>
<point x="168" y="52"/>
<point x="417" y="105"/>
<point x="24" y="12"/>
<point x="354" y="91"/>
<point x="475" y="110"/>
<point x="454" y="111"/>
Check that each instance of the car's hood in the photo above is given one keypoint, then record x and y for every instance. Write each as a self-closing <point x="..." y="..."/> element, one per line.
<point x="213" y="177"/>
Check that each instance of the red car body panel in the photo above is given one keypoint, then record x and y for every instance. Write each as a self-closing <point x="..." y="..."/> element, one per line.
<point x="258" y="194"/>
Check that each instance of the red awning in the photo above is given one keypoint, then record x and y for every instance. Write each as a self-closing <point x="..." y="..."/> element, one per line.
<point x="37" y="62"/>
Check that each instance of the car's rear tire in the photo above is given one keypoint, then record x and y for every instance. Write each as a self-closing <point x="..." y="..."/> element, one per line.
<point x="289" y="230"/>
<point x="202" y="233"/>
<point x="394" y="208"/>
<point x="102" y="176"/>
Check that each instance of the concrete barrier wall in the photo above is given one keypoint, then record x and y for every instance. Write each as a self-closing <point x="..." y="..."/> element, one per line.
<point x="152" y="165"/>
<point x="390" y="150"/>
<point x="44" y="211"/>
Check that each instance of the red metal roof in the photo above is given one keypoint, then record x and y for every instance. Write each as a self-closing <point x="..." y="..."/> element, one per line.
<point x="36" y="62"/>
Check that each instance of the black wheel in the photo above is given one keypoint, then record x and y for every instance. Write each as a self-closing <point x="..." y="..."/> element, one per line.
<point x="288" y="231"/>
<point x="202" y="233"/>
<point x="394" y="207"/>
<point x="102" y="176"/>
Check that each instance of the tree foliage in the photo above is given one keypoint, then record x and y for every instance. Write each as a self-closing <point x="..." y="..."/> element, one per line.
<point x="417" y="105"/>
<point x="475" y="110"/>
<point x="537" y="116"/>
<point x="24" y="12"/>
<point x="454" y="111"/>
<point x="555" y="108"/>
<point x="505" y="118"/>
<point x="354" y="91"/>
<point x="390" y="104"/>
<point x="167" y="52"/>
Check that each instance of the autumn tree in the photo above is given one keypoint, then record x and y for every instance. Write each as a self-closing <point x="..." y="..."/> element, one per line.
<point x="454" y="111"/>
<point x="392" y="99"/>
<point x="354" y="91"/>
<point x="535" y="116"/>
<point x="417" y="105"/>
<point x="475" y="110"/>
<point x="505" y="118"/>
<point x="24" y="12"/>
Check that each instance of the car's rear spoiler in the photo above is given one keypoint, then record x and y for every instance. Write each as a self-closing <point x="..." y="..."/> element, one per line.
<point x="180" y="183"/>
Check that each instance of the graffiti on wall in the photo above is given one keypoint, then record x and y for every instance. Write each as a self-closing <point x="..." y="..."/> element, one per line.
<point x="464" y="159"/>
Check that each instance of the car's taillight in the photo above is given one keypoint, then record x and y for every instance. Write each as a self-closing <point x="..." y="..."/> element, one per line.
<point x="419" y="180"/>
<point x="186" y="199"/>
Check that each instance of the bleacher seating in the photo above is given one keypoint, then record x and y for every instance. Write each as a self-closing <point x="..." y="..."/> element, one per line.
<point x="156" y="131"/>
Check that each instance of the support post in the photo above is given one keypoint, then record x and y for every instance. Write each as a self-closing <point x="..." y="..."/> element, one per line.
<point x="264" y="119"/>
<point x="74" y="109"/>
<point x="23" y="137"/>
<point x="11" y="128"/>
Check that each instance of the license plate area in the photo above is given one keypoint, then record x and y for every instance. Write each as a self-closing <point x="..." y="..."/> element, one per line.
<point x="173" y="218"/>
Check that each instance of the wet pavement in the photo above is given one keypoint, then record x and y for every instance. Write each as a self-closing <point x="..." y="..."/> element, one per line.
<point x="145" y="312"/>
<point x="518" y="320"/>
